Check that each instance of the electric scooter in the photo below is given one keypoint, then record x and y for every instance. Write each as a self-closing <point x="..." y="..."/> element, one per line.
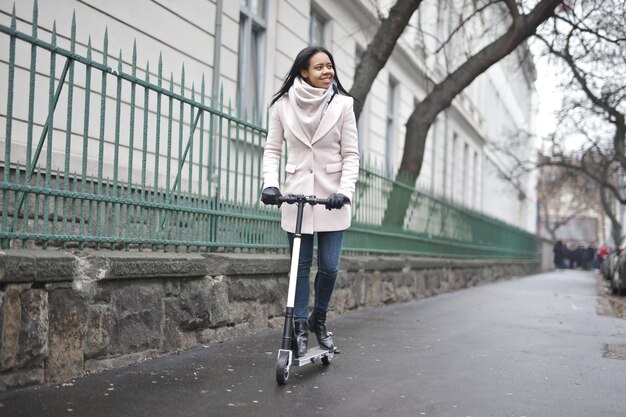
<point x="286" y="356"/>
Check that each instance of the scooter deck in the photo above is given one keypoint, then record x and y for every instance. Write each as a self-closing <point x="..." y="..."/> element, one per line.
<point x="313" y="355"/>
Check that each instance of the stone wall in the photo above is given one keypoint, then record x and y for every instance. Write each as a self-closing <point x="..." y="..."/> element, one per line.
<point x="64" y="314"/>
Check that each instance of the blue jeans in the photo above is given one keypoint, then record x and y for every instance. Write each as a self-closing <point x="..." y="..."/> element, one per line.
<point x="328" y="253"/>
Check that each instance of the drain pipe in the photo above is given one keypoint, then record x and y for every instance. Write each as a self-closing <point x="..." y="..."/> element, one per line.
<point x="217" y="52"/>
<point x="215" y="89"/>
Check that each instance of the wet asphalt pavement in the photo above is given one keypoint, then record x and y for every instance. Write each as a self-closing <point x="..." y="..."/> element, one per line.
<point x="533" y="346"/>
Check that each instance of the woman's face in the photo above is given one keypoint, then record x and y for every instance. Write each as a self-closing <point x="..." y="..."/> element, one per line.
<point x="320" y="72"/>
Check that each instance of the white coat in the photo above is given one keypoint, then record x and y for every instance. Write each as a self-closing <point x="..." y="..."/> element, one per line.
<point x="327" y="164"/>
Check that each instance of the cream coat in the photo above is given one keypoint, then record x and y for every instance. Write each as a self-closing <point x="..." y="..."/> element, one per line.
<point x="328" y="164"/>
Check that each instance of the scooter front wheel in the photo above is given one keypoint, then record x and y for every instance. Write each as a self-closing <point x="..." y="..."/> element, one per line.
<point x="282" y="369"/>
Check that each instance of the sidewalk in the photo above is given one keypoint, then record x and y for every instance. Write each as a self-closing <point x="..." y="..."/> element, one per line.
<point x="532" y="346"/>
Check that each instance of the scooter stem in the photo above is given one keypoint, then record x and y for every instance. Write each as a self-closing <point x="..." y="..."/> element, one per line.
<point x="293" y="277"/>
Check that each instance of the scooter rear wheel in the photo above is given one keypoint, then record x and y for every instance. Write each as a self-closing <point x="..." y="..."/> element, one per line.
<point x="282" y="369"/>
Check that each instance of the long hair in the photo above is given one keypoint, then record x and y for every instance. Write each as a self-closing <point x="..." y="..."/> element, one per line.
<point x="302" y="63"/>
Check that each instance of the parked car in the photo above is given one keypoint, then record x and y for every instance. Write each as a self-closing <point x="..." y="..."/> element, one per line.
<point x="604" y="262"/>
<point x="618" y="270"/>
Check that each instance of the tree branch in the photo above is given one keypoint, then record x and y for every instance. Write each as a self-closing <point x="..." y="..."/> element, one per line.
<point x="379" y="49"/>
<point x="463" y="21"/>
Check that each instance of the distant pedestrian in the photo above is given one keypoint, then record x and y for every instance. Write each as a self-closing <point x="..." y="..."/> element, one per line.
<point x="559" y="254"/>
<point x="589" y="257"/>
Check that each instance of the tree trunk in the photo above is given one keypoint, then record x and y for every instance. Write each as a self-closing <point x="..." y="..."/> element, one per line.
<point x="378" y="51"/>
<point x="522" y="27"/>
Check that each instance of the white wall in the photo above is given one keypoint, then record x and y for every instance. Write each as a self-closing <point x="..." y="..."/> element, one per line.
<point x="496" y="104"/>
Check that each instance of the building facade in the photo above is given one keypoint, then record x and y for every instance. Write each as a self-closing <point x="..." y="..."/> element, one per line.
<point x="239" y="51"/>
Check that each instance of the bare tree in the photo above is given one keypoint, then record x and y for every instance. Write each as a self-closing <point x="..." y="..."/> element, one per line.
<point x="521" y="25"/>
<point x="564" y="195"/>
<point x="589" y="40"/>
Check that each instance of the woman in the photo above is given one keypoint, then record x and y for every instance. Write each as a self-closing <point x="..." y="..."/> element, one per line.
<point x="313" y="113"/>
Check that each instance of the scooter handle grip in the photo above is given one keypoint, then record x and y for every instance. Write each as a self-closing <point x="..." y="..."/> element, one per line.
<point x="311" y="199"/>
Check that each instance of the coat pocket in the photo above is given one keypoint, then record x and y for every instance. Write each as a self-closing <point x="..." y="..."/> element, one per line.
<point x="290" y="168"/>
<point x="334" y="167"/>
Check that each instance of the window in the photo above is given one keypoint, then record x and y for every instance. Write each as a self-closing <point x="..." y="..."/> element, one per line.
<point x="453" y="166"/>
<point x="317" y="26"/>
<point x="475" y="181"/>
<point x="391" y="115"/>
<point x="251" y="52"/>
<point x="465" y="173"/>
<point x="433" y="156"/>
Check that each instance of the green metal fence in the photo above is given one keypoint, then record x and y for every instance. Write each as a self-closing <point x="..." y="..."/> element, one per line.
<point x="120" y="157"/>
<point x="432" y="226"/>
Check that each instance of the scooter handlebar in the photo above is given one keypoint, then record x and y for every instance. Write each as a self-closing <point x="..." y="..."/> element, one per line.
<point x="308" y="199"/>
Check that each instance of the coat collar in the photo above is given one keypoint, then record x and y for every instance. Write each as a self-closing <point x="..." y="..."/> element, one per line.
<point x="331" y="116"/>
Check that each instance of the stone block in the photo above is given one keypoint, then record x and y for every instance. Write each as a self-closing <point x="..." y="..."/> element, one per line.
<point x="137" y="313"/>
<point x="99" y="365"/>
<point x="238" y="312"/>
<point x="387" y="291"/>
<point x="34" y="265"/>
<point x="276" y="323"/>
<point x="204" y="303"/>
<point x="23" y="327"/>
<point x="100" y="325"/>
<point x="342" y="300"/>
<point x="404" y="287"/>
<point x="255" y="314"/>
<point x="137" y="265"/>
<point x="10" y="322"/>
<point x="67" y="330"/>
<point x="172" y="316"/>
<point x="374" y="289"/>
<point x="21" y="378"/>
<point x="250" y="264"/>
<point x="432" y="284"/>
<point x="359" y="287"/>
<point x="257" y="317"/>
<point x="261" y="290"/>
<point x="174" y="338"/>
<point x="420" y="282"/>
<point x="33" y="328"/>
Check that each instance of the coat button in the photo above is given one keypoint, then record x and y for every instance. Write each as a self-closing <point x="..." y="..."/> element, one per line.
<point x="310" y="171"/>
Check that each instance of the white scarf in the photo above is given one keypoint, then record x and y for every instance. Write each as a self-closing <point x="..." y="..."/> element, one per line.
<point x="309" y="104"/>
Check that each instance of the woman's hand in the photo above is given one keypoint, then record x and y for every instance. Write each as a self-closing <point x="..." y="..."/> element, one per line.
<point x="336" y="201"/>
<point x="270" y="196"/>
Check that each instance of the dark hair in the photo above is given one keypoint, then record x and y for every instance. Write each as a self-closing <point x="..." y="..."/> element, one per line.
<point x="302" y="63"/>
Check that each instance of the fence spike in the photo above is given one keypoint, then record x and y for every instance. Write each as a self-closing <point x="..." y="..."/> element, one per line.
<point x="160" y="70"/>
<point x="73" y="34"/>
<point x="105" y="48"/>
<point x="222" y="98"/>
<point x="134" y="59"/>
<point x="35" y="24"/>
<point x="54" y="34"/>
<point x="182" y="81"/>
<point x="202" y="90"/>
